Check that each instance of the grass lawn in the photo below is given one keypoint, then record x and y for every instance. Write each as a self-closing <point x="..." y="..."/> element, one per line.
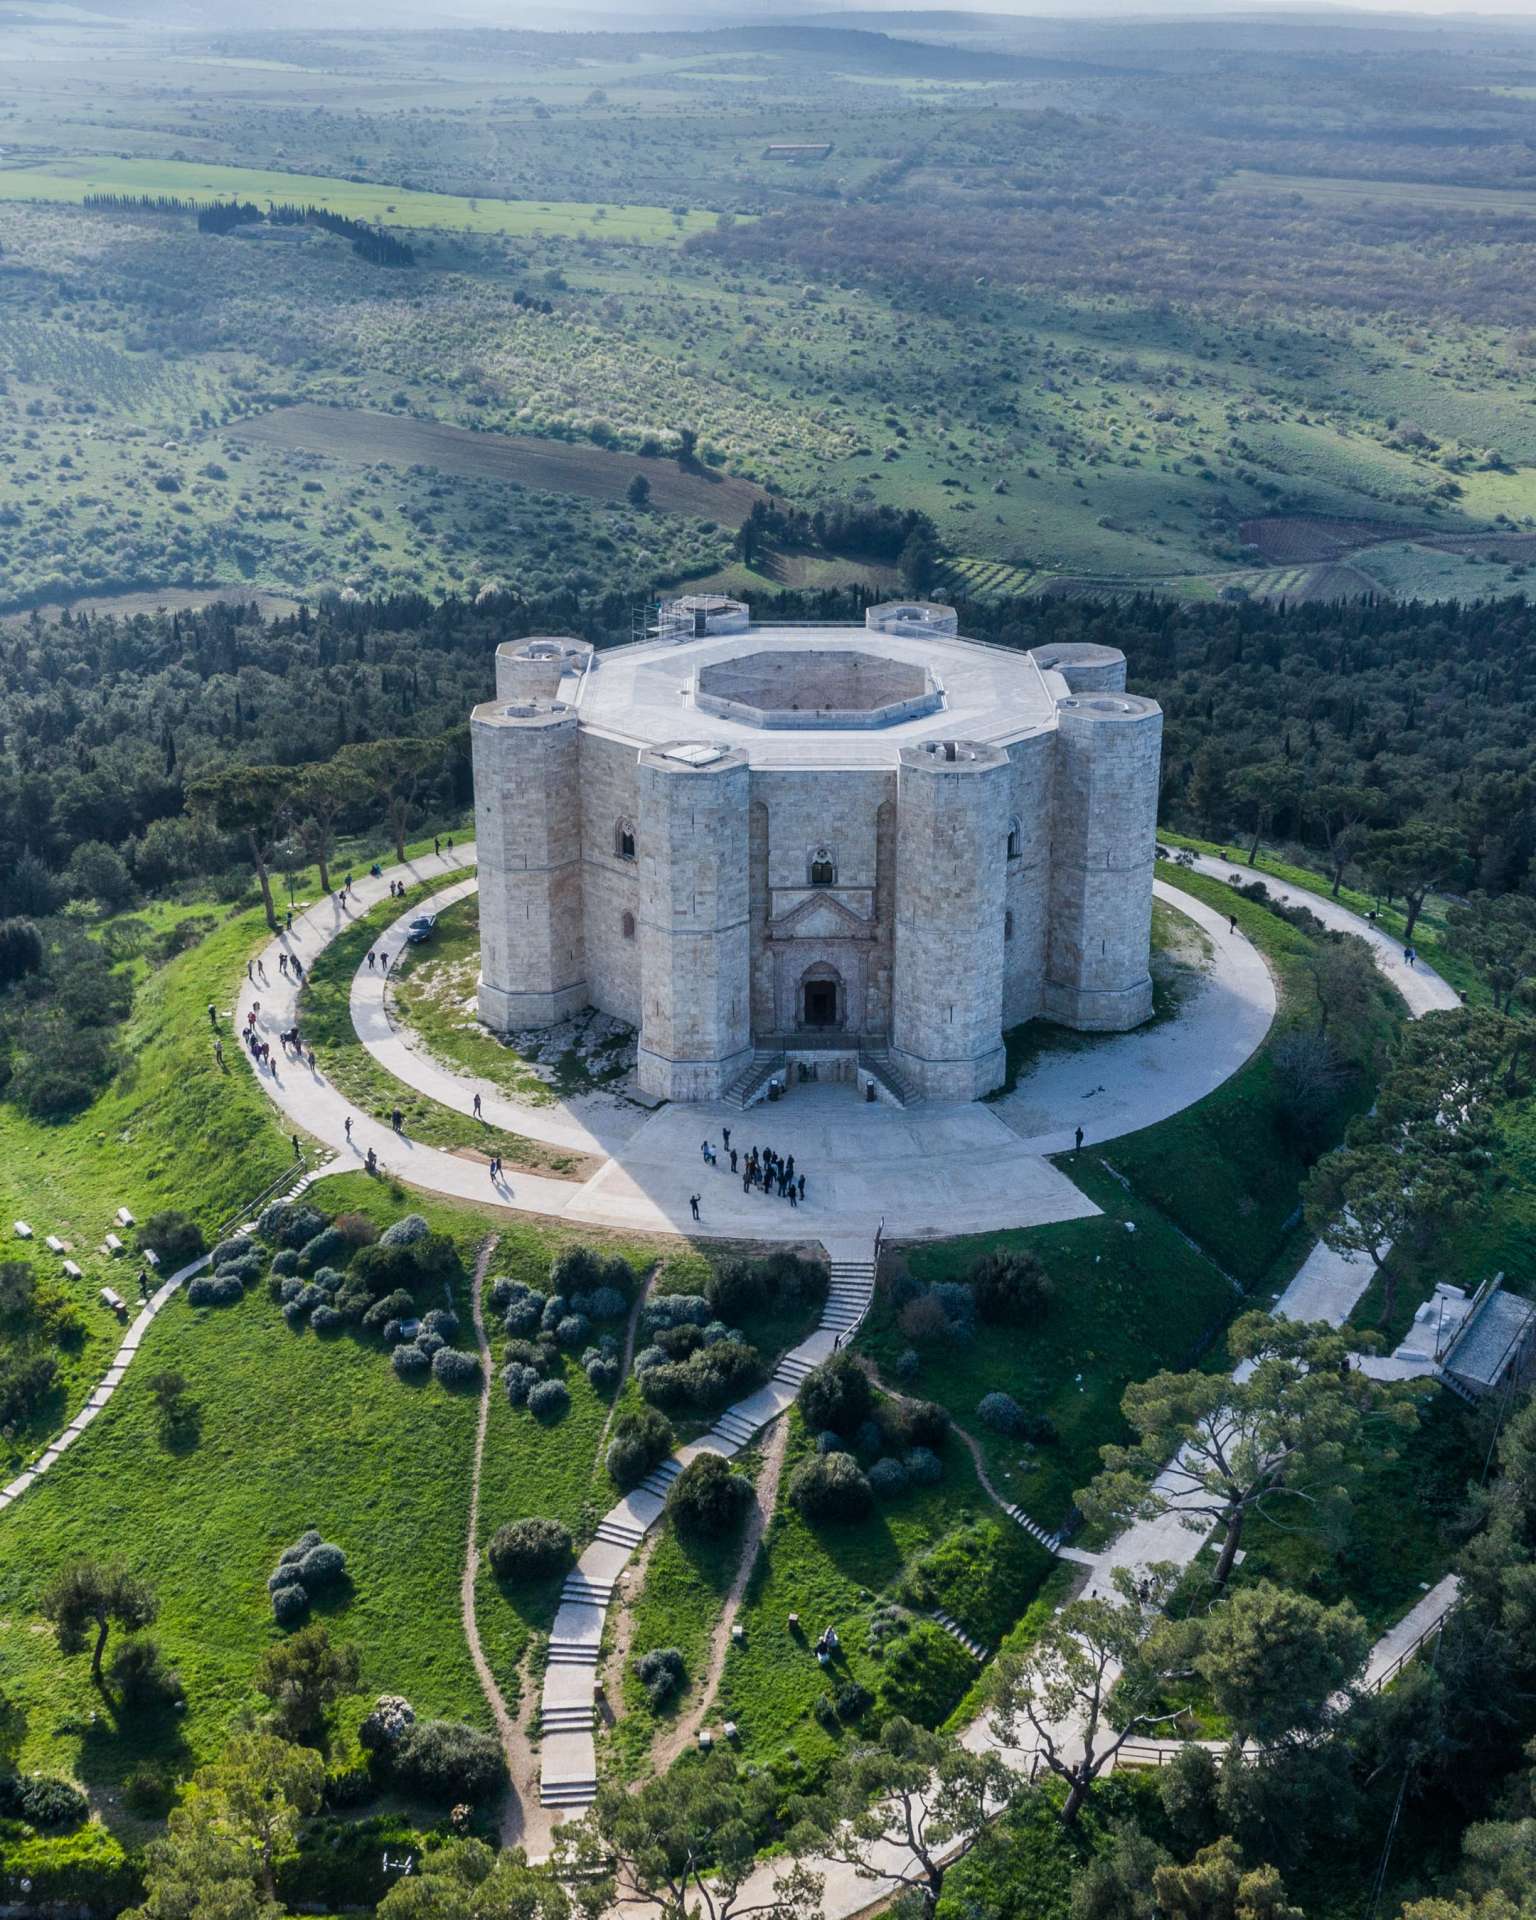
<point x="294" y="1431"/>
<point x="1226" y="1170"/>
<point x="432" y="991"/>
<point x="325" y="1019"/>
<point x="1125" y="1303"/>
<point x="71" y="180"/>
<point x="836" y="1574"/>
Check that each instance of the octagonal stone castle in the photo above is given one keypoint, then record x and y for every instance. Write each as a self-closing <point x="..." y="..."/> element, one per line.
<point x="861" y="852"/>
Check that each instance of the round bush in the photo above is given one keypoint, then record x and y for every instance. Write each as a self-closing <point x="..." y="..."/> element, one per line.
<point x="662" y="1672"/>
<point x="523" y="1315"/>
<point x="452" y="1367"/>
<point x="327" y="1279"/>
<point x="829" y="1442"/>
<point x="531" y="1549"/>
<point x="394" y="1306"/>
<point x="410" y="1362"/>
<point x="285" y="1261"/>
<point x="519" y="1381"/>
<point x="43" y="1800"/>
<point x="526" y="1353"/>
<point x="678" y="1310"/>
<point x="959" y="1306"/>
<point x="503" y="1293"/>
<point x="908" y="1366"/>
<point x="290" y="1556"/>
<point x="924" y="1467"/>
<point x="391" y="1718"/>
<point x="290" y="1288"/>
<point x="327" y="1320"/>
<point x="923" y="1423"/>
<point x="575" y="1269"/>
<point x="235" y="1248"/>
<point x="869" y="1438"/>
<point x="290" y="1604"/>
<point x="603" y="1373"/>
<point x="246" y="1269"/>
<point x="607" y="1303"/>
<point x="1001" y="1412"/>
<point x="328" y="1245"/>
<point x="214" y="1290"/>
<point x="444" y="1761"/>
<point x="357" y="1228"/>
<point x="887" y="1479"/>
<point x="301" y="1226"/>
<point x="442" y="1320"/>
<point x="272" y="1220"/>
<point x="836" y="1394"/>
<point x="649" y="1357"/>
<point x="1009" y="1286"/>
<point x="323" y="1566"/>
<point x="405" y="1232"/>
<point x="641" y="1440"/>
<point x="549" y="1400"/>
<point x="554" y="1311"/>
<point x="295" y="1315"/>
<point x="707" y="1497"/>
<point x="831" y="1487"/>
<point x="430" y="1343"/>
<point x="573" y="1330"/>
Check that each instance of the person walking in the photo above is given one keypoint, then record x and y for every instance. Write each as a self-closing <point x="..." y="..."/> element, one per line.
<point x="218" y="1050"/>
<point x="289" y="922"/>
<point x="213" y="1016"/>
<point x="725" y="1140"/>
<point x="802" y="1186"/>
<point x="346" y="1127"/>
<point x="1231" y="923"/>
<point x="395" y="1119"/>
<point x="476" y="1108"/>
<point x="383" y="961"/>
<point x="370" y="959"/>
<point x="732" y="1151"/>
<point x="437" y="845"/>
<point x="309" y="1059"/>
<point x="298" y="1151"/>
<point x="693" y="1205"/>
<point x="1077" y="1143"/>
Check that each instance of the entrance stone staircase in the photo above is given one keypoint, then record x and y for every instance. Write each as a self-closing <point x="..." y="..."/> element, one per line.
<point x="880" y="1066"/>
<point x="751" y="1083"/>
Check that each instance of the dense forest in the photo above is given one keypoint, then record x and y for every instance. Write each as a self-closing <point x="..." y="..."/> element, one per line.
<point x="1337" y="727"/>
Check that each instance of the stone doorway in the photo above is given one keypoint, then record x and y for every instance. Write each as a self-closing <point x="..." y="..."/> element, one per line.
<point x="821" y="1000"/>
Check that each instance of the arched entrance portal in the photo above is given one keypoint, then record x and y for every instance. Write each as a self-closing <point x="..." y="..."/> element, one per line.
<point x="823" y="999"/>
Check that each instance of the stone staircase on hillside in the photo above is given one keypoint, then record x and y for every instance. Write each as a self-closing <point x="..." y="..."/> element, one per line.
<point x="1050" y="1541"/>
<point x="980" y="1654"/>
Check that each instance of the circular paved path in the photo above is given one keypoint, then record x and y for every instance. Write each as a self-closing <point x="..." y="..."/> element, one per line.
<point x="931" y="1170"/>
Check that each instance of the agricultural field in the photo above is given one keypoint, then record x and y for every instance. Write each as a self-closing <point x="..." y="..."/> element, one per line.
<point x="1498" y="201"/>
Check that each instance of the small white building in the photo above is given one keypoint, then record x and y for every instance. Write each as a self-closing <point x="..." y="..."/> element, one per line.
<point x="843" y="846"/>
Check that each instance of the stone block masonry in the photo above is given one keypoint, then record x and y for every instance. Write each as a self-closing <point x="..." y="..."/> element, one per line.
<point x="816" y="842"/>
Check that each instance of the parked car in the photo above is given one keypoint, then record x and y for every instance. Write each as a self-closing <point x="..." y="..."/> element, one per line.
<point x="421" y="928"/>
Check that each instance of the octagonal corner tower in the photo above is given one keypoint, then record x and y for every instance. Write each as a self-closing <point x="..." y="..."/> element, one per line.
<point x="852" y="853"/>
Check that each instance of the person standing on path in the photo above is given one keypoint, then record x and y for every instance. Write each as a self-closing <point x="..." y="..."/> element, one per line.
<point x="370" y="959"/>
<point x="693" y="1205"/>
<point x="476" y="1108"/>
<point x="725" y="1141"/>
<point x="732" y="1152"/>
<point x="1077" y="1143"/>
<point x="437" y="845"/>
<point x="1231" y="923"/>
<point x="346" y="1127"/>
<point x="396" y="1119"/>
<point x="801" y="1184"/>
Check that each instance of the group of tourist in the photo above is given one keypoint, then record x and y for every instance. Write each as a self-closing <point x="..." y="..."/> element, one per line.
<point x="772" y="1172"/>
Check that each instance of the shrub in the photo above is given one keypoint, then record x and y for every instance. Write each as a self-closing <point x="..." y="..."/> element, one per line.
<point x="173" y="1238"/>
<point x="301" y="1226"/>
<point x="442" y="1320"/>
<point x="149" y="1791"/>
<point x="328" y="1245"/>
<point x="829" y="1442"/>
<point x="908" y="1366"/>
<point x="272" y="1219"/>
<point x="528" y="1353"/>
<point x="1009" y="1286"/>
<point x="290" y="1604"/>
<point x="924" y="1467"/>
<point x="503" y="1293"/>
<point x="888" y="1478"/>
<point x="707" y="1497"/>
<point x="869" y="1439"/>
<point x="531" y="1549"/>
<point x="602" y="1373"/>
<point x="235" y="1248"/>
<point x="918" y="1423"/>
<point x="406" y="1231"/>
<point x="923" y="1675"/>
<point x="555" y="1308"/>
<point x="663" y="1673"/>
<point x="641" y="1440"/>
<point x="677" y="1310"/>
<point x="327" y="1320"/>
<point x="410" y="1362"/>
<point x="245" y="1270"/>
<point x="524" y="1314"/>
<point x="214" y="1290"/>
<point x="391" y="1719"/>
<point x="519" y="1381"/>
<point x="1001" y="1412"/>
<point x="649" y="1357"/>
<point x="831" y="1487"/>
<point x="42" y="1800"/>
<point x="356" y="1228"/>
<point x="959" y="1306"/>
<point x="445" y="1761"/>
<point x="452" y="1367"/>
<point x="394" y="1306"/>
<point x="924" y="1320"/>
<point x="781" y="1280"/>
<point x="837" y="1394"/>
<point x="573" y="1330"/>
<point x="430" y="1343"/>
<point x="324" y="1565"/>
<point x="549" y="1401"/>
<point x="285" y="1261"/>
<point x="607" y="1303"/>
<point x="290" y="1556"/>
<point x="140" y="1677"/>
<point x="677" y="1343"/>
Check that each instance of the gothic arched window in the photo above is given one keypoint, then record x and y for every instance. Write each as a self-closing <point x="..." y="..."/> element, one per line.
<point x="627" y="926"/>
<point x="624" y="839"/>
<point x="823" y="868"/>
<point x="1015" y="839"/>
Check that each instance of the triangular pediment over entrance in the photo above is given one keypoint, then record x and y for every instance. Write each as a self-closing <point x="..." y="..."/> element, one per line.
<point x="824" y="918"/>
